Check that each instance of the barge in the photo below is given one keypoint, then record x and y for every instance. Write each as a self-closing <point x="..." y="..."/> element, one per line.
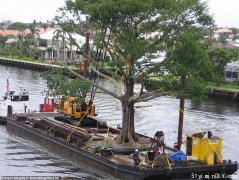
<point x="92" y="144"/>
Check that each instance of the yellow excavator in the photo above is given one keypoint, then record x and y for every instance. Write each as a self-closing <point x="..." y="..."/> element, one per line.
<point x="81" y="114"/>
<point x="70" y="107"/>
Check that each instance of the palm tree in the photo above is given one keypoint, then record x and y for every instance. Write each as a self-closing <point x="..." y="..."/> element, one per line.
<point x="21" y="32"/>
<point x="1" y="28"/>
<point x="33" y="34"/>
<point x="56" y="40"/>
<point x="45" y="26"/>
<point x="234" y="32"/>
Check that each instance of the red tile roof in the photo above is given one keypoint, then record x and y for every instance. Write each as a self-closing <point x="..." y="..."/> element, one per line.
<point x="8" y="32"/>
<point x="15" y="32"/>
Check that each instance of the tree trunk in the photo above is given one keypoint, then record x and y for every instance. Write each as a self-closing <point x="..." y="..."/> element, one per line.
<point x="181" y="113"/>
<point x="180" y="124"/>
<point x="127" y="134"/>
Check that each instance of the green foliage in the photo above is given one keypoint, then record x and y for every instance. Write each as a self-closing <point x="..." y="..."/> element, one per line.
<point x="119" y="64"/>
<point x="190" y="62"/>
<point x="3" y="39"/>
<point x="60" y="84"/>
<point x="205" y="31"/>
<point x="225" y="85"/>
<point x="166" y="83"/>
<point x="17" y="26"/>
<point x="220" y="57"/>
<point x="223" y="39"/>
<point x="196" y="89"/>
<point x="130" y="29"/>
<point x="130" y="20"/>
<point x="130" y="23"/>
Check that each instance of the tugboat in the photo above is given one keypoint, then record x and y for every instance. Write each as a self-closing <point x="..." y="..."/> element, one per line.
<point x="12" y="103"/>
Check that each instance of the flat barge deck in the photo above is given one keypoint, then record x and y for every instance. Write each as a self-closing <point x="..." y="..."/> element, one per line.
<point x="121" y="166"/>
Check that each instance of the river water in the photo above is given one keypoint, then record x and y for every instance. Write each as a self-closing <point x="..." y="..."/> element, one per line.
<point x="19" y="157"/>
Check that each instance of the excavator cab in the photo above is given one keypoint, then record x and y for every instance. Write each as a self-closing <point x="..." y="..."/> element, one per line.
<point x="77" y="110"/>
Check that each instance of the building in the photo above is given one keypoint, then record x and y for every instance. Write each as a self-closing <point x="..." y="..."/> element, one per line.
<point x="8" y="32"/>
<point x="48" y="43"/>
<point x="232" y="71"/>
<point x="51" y="45"/>
<point x="226" y="32"/>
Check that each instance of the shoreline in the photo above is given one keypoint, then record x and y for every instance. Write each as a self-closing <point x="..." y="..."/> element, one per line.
<point x="213" y="92"/>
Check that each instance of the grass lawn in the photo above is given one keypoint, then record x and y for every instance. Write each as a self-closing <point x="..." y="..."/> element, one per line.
<point x="29" y="59"/>
<point x="233" y="86"/>
<point x="224" y="85"/>
<point x="151" y="76"/>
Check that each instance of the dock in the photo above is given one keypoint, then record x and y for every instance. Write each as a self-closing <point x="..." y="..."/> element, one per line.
<point x="229" y="94"/>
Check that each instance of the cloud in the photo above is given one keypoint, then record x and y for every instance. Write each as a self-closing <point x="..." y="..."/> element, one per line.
<point x="28" y="10"/>
<point x="225" y="12"/>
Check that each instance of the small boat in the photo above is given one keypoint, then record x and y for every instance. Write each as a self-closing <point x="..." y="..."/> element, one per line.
<point x="12" y="103"/>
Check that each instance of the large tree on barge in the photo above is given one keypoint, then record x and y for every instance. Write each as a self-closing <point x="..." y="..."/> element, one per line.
<point x="127" y="30"/>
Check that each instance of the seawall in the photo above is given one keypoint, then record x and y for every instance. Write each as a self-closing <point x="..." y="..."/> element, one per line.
<point x="27" y="64"/>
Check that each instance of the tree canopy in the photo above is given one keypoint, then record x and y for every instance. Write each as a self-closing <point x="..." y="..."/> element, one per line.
<point x="191" y="65"/>
<point x="126" y="30"/>
<point x="17" y="26"/>
<point x="219" y="59"/>
<point x="190" y="60"/>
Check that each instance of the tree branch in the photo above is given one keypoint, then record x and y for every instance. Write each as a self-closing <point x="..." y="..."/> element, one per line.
<point x="150" y="98"/>
<point x="135" y="99"/>
<point x="107" y="77"/>
<point x="151" y="95"/>
<point x="94" y="62"/>
<point x="92" y="83"/>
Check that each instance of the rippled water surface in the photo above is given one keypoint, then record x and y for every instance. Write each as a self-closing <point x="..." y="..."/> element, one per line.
<point x="21" y="157"/>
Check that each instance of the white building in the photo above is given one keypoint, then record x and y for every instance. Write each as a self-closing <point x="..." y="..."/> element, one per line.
<point x="51" y="45"/>
<point x="232" y="71"/>
<point x="222" y="32"/>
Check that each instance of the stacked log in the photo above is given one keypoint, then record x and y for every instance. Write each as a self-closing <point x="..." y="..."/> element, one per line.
<point x="69" y="132"/>
<point x="105" y="130"/>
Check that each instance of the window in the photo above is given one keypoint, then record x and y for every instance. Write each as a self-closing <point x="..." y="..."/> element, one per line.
<point x="20" y="98"/>
<point x="235" y="74"/>
<point x="228" y="74"/>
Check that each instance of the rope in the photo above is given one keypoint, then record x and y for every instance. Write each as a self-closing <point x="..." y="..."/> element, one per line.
<point x="169" y="165"/>
<point x="190" y="120"/>
<point x="106" y="137"/>
<point x="69" y="136"/>
<point x="49" y="131"/>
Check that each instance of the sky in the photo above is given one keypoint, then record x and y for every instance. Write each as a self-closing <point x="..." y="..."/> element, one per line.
<point x="28" y="10"/>
<point x="225" y="12"/>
